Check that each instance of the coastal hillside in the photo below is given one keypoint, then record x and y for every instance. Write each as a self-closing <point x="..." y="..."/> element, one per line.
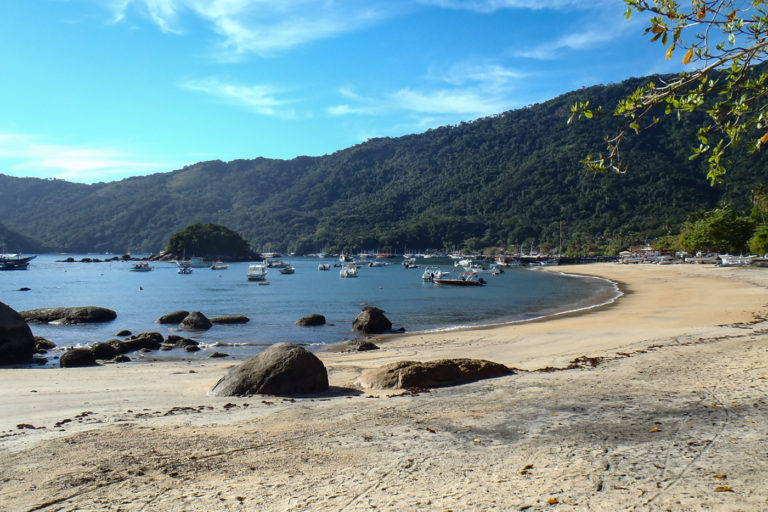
<point x="509" y="179"/>
<point x="13" y="242"/>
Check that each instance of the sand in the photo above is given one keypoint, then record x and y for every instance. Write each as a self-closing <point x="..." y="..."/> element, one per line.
<point x="674" y="416"/>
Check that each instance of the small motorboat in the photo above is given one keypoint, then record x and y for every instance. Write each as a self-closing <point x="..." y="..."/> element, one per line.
<point x="432" y="273"/>
<point x="324" y="266"/>
<point x="219" y="266"/>
<point x="348" y="271"/>
<point x="287" y="270"/>
<point x="257" y="272"/>
<point x="464" y="279"/>
<point x="184" y="269"/>
<point x="141" y="266"/>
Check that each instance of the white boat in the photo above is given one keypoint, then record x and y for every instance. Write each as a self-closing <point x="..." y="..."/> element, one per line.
<point x="410" y="263"/>
<point x="287" y="270"/>
<point x="432" y="273"/>
<point x="324" y="266"/>
<point x="219" y="266"/>
<point x="464" y="279"/>
<point x="276" y="264"/>
<point x="703" y="258"/>
<point x="184" y="270"/>
<point x="729" y="260"/>
<point x="348" y="271"/>
<point x="377" y="263"/>
<point x="141" y="266"/>
<point x="193" y="262"/>
<point x="257" y="272"/>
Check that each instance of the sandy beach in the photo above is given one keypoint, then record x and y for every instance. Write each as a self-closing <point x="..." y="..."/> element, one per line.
<point x="666" y="410"/>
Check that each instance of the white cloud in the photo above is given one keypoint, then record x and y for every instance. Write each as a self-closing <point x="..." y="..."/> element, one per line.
<point x="264" y="27"/>
<point x="489" y="6"/>
<point x="26" y="155"/>
<point x="261" y="99"/>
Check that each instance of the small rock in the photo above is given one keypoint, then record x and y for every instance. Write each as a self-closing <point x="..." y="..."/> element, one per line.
<point x="77" y="357"/>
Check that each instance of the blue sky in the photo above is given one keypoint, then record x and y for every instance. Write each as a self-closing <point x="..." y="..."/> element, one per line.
<point x="99" y="90"/>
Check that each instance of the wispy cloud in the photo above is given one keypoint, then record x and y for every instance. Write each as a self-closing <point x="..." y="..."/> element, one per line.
<point x="27" y="155"/>
<point x="489" y="6"/>
<point x="466" y="90"/>
<point x="261" y="99"/>
<point x="263" y="27"/>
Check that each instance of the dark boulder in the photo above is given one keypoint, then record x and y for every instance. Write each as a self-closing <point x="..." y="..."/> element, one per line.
<point x="230" y="319"/>
<point x="359" y="346"/>
<point x="76" y="357"/>
<point x="173" y="318"/>
<point x="282" y="369"/>
<point x="371" y="321"/>
<point x="43" y="343"/>
<point x="175" y="341"/>
<point x="102" y="350"/>
<point x="218" y="354"/>
<point x="123" y="333"/>
<point x="76" y="315"/>
<point x="122" y="358"/>
<point x="16" y="341"/>
<point x="195" y="321"/>
<point x="144" y="340"/>
<point x="311" y="320"/>
<point x="431" y="374"/>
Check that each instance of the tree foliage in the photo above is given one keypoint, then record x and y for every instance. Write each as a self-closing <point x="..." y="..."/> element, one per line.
<point x="722" y="230"/>
<point x="210" y="241"/>
<point x="727" y="36"/>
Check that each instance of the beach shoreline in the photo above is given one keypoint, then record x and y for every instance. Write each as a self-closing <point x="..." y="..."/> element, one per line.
<point x="680" y="383"/>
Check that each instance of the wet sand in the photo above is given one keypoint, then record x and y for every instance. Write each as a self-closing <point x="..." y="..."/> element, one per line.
<point x="674" y="416"/>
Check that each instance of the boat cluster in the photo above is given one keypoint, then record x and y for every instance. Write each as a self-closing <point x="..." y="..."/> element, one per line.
<point x="701" y="258"/>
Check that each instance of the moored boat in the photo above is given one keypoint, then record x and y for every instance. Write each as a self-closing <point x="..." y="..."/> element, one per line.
<point x="432" y="273"/>
<point x="464" y="279"/>
<point x="141" y="266"/>
<point x="287" y="270"/>
<point x="348" y="271"/>
<point x="184" y="269"/>
<point x="15" y="261"/>
<point x="257" y="272"/>
<point x="219" y="266"/>
<point x="324" y="266"/>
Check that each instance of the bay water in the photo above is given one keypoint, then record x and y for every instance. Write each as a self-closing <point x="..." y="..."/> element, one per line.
<point x="139" y="298"/>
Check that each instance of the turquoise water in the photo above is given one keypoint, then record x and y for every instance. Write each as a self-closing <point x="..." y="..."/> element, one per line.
<point x="140" y="298"/>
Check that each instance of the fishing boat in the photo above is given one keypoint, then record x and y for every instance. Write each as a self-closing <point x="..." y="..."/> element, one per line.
<point x="141" y="266"/>
<point x="15" y="261"/>
<point x="257" y="272"/>
<point x="464" y="279"/>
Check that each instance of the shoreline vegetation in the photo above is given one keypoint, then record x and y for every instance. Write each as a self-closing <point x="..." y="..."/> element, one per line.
<point x="658" y="400"/>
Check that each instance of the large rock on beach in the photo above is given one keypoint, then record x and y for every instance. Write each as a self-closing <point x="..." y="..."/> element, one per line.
<point x="195" y="321"/>
<point x="371" y="321"/>
<point x="282" y="369"/>
<point x="311" y="320"/>
<point x="173" y="318"/>
<point x="17" y="344"/>
<point x="77" y="357"/>
<point x="431" y="374"/>
<point x="75" y="315"/>
<point x="230" y="319"/>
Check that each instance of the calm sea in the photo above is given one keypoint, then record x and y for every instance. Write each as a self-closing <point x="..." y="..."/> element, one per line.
<point x="140" y="298"/>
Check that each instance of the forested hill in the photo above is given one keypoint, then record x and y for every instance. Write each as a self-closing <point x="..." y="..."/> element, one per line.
<point x="506" y="179"/>
<point x="13" y="242"/>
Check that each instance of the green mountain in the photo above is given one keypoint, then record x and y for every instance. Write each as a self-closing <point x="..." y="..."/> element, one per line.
<point x="512" y="178"/>
<point x="13" y="242"/>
